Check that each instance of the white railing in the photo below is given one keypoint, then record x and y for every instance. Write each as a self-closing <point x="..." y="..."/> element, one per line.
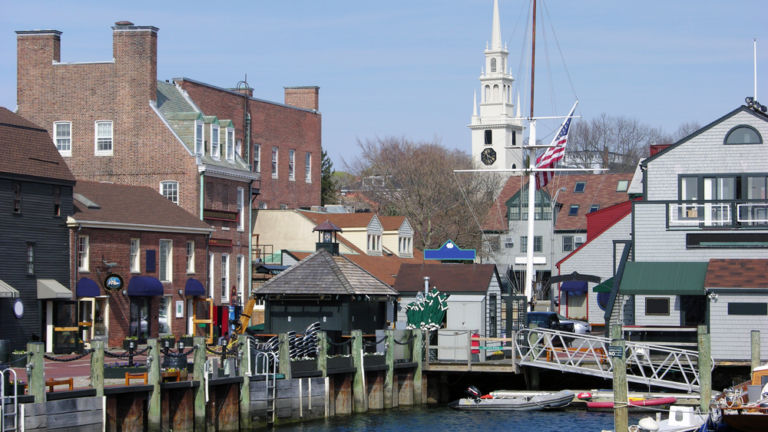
<point x="648" y="364"/>
<point x="752" y="213"/>
<point x="9" y="405"/>
<point x="693" y="214"/>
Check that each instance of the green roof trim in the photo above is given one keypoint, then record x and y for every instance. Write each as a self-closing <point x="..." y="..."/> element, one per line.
<point x="663" y="278"/>
<point x="605" y="286"/>
<point x="226" y="123"/>
<point x="210" y="119"/>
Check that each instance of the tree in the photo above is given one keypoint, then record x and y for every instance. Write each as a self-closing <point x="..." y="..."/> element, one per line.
<point x="329" y="189"/>
<point x="416" y="180"/>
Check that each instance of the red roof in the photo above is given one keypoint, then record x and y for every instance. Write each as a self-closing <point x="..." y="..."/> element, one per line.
<point x="599" y="189"/>
<point x="599" y="222"/>
<point x="446" y="277"/>
<point x="737" y="273"/>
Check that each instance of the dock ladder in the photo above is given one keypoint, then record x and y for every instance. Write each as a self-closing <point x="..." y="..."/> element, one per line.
<point x="266" y="366"/>
<point x="9" y="405"/>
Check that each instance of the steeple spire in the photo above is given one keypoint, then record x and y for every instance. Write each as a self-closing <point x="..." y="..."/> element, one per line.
<point x="496" y="31"/>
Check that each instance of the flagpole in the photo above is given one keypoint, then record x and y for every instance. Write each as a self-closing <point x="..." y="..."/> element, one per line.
<point x="528" y="290"/>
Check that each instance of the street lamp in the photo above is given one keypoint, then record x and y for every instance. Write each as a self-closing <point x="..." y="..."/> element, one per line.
<point x="552" y="246"/>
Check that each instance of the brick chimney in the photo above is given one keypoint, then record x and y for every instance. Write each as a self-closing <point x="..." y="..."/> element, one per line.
<point x="303" y="97"/>
<point x="36" y="51"/>
<point x="135" y="51"/>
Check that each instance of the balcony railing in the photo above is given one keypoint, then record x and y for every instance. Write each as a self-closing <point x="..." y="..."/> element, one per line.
<point x="729" y="214"/>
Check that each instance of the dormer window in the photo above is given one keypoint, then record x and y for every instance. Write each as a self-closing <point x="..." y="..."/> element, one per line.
<point x="199" y="138"/>
<point x="374" y="243"/>
<point x="579" y="187"/>
<point x="230" y="144"/>
<point x="743" y="134"/>
<point x="405" y="246"/>
<point x="215" y="150"/>
<point x="622" y="186"/>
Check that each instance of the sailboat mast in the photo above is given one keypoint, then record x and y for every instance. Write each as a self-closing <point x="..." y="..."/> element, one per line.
<point x="531" y="240"/>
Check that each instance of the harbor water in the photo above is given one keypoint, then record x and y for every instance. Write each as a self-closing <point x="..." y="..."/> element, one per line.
<point x="445" y="419"/>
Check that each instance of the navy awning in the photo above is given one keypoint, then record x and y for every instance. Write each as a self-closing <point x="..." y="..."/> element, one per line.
<point x="574" y="287"/>
<point x="87" y="287"/>
<point x="144" y="286"/>
<point x="194" y="288"/>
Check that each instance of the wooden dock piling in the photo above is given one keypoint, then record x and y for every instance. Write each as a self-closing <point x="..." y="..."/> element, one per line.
<point x="705" y="369"/>
<point x="620" y="402"/>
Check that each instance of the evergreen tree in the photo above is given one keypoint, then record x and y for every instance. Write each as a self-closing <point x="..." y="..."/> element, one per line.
<point x="329" y="190"/>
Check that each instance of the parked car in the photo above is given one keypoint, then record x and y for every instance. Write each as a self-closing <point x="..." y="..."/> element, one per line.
<point x="549" y="320"/>
<point x="579" y="327"/>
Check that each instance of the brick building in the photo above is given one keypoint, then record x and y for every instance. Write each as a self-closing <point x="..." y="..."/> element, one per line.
<point x="194" y="143"/>
<point x="131" y="234"/>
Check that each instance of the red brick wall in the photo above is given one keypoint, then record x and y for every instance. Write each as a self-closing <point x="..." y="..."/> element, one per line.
<point x="145" y="152"/>
<point x="271" y="125"/>
<point x="115" y="246"/>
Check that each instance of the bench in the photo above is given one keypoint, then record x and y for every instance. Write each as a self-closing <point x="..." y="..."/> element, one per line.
<point x="129" y="376"/>
<point x="51" y="383"/>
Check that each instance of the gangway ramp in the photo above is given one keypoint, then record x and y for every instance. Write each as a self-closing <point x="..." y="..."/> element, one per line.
<point x="649" y="364"/>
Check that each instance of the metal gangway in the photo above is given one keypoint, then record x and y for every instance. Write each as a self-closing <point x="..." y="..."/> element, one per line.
<point x="649" y="364"/>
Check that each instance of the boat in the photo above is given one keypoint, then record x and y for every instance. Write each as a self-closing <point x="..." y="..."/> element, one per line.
<point x="681" y="419"/>
<point x="744" y="407"/>
<point x="546" y="401"/>
<point x="635" y="404"/>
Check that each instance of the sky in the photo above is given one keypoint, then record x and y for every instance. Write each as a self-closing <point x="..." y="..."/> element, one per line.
<point x="409" y="68"/>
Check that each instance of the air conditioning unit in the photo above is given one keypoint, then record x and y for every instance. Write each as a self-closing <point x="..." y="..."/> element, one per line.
<point x="579" y="239"/>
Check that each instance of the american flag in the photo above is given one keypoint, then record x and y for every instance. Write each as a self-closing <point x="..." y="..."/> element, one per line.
<point x="554" y="153"/>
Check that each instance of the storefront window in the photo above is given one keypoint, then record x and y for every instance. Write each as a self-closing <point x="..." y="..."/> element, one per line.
<point x="140" y="318"/>
<point x="165" y="313"/>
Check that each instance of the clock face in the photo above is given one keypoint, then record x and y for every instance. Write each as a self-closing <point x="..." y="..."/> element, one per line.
<point x="488" y="156"/>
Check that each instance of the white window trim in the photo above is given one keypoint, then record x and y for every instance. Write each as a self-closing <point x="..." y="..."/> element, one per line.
<point x="170" y="182"/>
<point x="215" y="133"/>
<point x="84" y="240"/>
<point x="275" y="161"/>
<point x="135" y="263"/>
<point x="224" y="278"/>
<point x="291" y="165"/>
<point x="240" y="277"/>
<point x="190" y="256"/>
<point x="241" y="209"/>
<point x="230" y="144"/>
<point x="211" y="279"/>
<point x="169" y="263"/>
<point x="257" y="158"/>
<point x="308" y="168"/>
<point x="65" y="153"/>
<point x="199" y="138"/>
<point x="96" y="150"/>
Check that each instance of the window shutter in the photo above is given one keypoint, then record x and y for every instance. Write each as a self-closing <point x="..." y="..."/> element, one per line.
<point x="151" y="261"/>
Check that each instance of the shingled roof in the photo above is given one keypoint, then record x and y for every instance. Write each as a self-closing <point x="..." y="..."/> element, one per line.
<point x="737" y="273"/>
<point x="354" y="220"/>
<point x="28" y="150"/>
<point x="450" y="278"/>
<point x="130" y="205"/>
<point x="323" y="273"/>
<point x="599" y="189"/>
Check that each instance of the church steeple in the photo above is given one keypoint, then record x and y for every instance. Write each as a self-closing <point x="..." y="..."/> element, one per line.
<point x="495" y="133"/>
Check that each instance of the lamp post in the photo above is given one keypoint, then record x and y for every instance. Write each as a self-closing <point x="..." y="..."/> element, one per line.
<point x="552" y="246"/>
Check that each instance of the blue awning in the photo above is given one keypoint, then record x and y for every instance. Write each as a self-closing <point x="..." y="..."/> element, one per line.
<point x="194" y="288"/>
<point x="87" y="287"/>
<point x="144" y="286"/>
<point x="574" y="287"/>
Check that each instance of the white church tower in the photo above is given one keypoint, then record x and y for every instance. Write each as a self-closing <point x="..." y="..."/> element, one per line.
<point x="496" y="128"/>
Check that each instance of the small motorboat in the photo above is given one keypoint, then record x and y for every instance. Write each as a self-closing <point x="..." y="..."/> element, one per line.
<point x="489" y="402"/>
<point x="681" y="419"/>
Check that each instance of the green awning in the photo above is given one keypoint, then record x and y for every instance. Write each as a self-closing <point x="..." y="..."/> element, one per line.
<point x="606" y="286"/>
<point x="664" y="278"/>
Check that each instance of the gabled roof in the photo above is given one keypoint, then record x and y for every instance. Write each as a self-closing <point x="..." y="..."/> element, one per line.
<point x="599" y="189"/>
<point x="384" y="267"/>
<point x="737" y="273"/>
<point x="450" y="278"/>
<point x="323" y="273"/>
<point x="28" y="150"/>
<point x="744" y="108"/>
<point x="116" y="205"/>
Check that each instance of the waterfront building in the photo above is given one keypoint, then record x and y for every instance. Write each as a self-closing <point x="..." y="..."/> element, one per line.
<point x="201" y="146"/>
<point x="36" y="192"/>
<point x="560" y="222"/>
<point x="138" y="265"/>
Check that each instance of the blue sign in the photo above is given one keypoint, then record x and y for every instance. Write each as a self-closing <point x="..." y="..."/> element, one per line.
<point x="113" y="282"/>
<point x="449" y="251"/>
